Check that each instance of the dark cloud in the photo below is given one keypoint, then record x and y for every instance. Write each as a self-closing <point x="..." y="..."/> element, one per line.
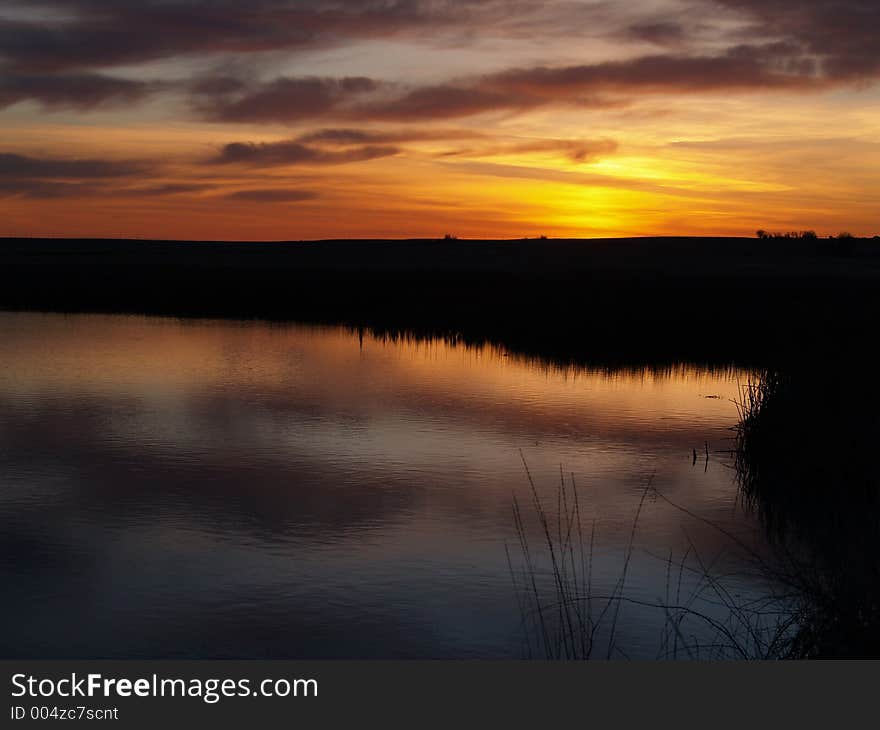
<point x="283" y="100"/>
<point x="61" y="177"/>
<point x="841" y="34"/>
<point x="48" y="47"/>
<point x="446" y="102"/>
<point x="51" y="189"/>
<point x="44" y="189"/>
<point x="272" y="195"/>
<point x="65" y="35"/>
<point x="78" y="34"/>
<point x="744" y="67"/>
<point x="166" y="189"/>
<point x="768" y="66"/>
<point x="661" y="33"/>
<point x="332" y="137"/>
<point x="23" y="176"/>
<point x="105" y="34"/>
<point x="47" y="52"/>
<point x="287" y="100"/>
<point x="78" y="91"/>
<point x="20" y="166"/>
<point x="293" y="152"/>
<point x="344" y="137"/>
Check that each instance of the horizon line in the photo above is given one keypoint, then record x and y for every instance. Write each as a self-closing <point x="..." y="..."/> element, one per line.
<point x="443" y="239"/>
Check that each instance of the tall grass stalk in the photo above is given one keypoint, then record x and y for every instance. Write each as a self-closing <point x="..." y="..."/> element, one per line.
<point x="565" y="617"/>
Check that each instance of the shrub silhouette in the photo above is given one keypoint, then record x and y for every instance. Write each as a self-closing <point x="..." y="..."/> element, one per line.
<point x="808" y="235"/>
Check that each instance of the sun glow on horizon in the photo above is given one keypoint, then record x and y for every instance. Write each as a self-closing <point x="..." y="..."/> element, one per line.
<point x="621" y="125"/>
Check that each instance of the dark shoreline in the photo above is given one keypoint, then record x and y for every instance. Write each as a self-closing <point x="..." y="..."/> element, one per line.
<point x="610" y="301"/>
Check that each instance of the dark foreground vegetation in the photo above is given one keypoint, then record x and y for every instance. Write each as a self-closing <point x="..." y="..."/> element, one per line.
<point x="566" y="616"/>
<point x="806" y="462"/>
<point x="614" y="301"/>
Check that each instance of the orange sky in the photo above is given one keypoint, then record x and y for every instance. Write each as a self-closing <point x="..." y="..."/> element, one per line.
<point x="499" y="118"/>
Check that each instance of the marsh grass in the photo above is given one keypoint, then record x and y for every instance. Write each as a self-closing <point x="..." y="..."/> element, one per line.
<point x="805" y="463"/>
<point x="566" y="616"/>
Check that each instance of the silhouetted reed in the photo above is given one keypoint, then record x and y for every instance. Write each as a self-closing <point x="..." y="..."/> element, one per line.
<point x="566" y="617"/>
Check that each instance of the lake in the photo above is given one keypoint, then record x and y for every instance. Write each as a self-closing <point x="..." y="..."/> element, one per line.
<point x="174" y="489"/>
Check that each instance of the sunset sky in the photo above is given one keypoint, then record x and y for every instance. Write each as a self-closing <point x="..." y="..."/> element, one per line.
<point x="294" y="119"/>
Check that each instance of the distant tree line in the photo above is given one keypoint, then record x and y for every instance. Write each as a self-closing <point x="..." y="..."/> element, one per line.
<point x="801" y="235"/>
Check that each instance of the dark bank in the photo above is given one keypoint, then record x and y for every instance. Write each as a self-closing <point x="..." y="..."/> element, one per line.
<point x="654" y="299"/>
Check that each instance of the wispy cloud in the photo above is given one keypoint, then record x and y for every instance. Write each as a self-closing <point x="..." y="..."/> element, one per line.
<point x="75" y="91"/>
<point x="840" y="34"/>
<point x="88" y="34"/>
<point x="66" y="58"/>
<point x="21" y="166"/>
<point x="283" y="100"/>
<point x="70" y="177"/>
<point x="576" y="150"/>
<point x="294" y="153"/>
<point x="272" y="195"/>
<point x="774" y="66"/>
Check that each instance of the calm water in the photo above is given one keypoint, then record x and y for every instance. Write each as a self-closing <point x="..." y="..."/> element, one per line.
<point x="218" y="489"/>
